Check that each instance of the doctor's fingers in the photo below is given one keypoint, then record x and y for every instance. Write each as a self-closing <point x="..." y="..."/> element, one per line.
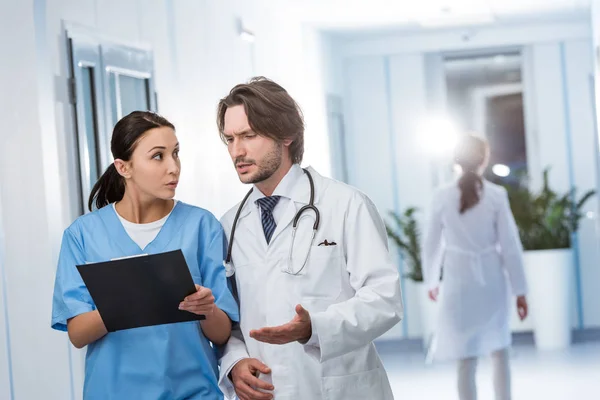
<point x="274" y="338"/>
<point x="245" y="389"/>
<point x="252" y="381"/>
<point x="282" y="331"/>
<point x="243" y="396"/>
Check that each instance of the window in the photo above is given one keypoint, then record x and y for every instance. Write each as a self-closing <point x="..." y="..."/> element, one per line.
<point x="108" y="81"/>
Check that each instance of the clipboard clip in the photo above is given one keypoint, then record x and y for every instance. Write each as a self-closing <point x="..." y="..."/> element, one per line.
<point x="126" y="257"/>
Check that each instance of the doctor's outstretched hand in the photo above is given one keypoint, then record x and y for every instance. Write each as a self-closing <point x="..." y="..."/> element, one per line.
<point x="299" y="329"/>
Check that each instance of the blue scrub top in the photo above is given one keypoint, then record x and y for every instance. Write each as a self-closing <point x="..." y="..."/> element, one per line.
<point x="174" y="361"/>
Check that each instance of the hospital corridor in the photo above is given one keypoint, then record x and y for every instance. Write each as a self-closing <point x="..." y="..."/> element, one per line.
<point x="299" y="200"/>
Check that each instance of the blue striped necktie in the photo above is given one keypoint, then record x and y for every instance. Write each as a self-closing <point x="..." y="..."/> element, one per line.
<point x="267" y="204"/>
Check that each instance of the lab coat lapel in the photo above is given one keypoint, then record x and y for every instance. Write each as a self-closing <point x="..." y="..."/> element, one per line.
<point x="286" y="219"/>
<point x="300" y="197"/>
<point x="250" y="226"/>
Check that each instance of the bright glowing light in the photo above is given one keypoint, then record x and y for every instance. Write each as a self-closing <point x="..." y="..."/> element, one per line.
<point x="438" y="135"/>
<point x="501" y="170"/>
<point x="590" y="215"/>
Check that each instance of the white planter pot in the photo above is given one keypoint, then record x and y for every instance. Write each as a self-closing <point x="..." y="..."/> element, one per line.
<point x="549" y="278"/>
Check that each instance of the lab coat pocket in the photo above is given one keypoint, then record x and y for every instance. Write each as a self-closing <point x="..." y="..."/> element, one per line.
<point x="322" y="276"/>
<point x="361" y="385"/>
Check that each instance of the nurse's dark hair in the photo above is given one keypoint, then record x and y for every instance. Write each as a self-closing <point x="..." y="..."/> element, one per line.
<point x="271" y="112"/>
<point x="127" y="132"/>
<point x="470" y="154"/>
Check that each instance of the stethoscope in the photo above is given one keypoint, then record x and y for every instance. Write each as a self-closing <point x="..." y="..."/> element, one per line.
<point x="230" y="269"/>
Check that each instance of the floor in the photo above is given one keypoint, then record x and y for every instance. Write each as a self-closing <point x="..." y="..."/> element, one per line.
<point x="572" y="374"/>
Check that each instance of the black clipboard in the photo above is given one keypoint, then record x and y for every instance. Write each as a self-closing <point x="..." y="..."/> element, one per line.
<point x="141" y="290"/>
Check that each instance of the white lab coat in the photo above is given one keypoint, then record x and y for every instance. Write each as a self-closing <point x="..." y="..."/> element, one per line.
<point x="351" y="291"/>
<point x="481" y="255"/>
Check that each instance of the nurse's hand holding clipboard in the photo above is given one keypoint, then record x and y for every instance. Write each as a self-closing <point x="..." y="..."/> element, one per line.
<point x="203" y="303"/>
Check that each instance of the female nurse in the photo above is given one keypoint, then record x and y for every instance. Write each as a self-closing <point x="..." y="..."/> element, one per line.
<point x="136" y="214"/>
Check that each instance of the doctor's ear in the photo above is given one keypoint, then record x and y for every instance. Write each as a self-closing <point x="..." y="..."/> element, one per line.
<point x="287" y="142"/>
<point x="123" y="168"/>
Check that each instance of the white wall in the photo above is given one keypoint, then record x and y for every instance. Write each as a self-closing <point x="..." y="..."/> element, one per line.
<point x="27" y="222"/>
<point x="370" y="167"/>
<point x="414" y="170"/>
<point x="560" y="134"/>
<point x="385" y="102"/>
<point x="552" y="123"/>
<point x="5" y="370"/>
<point x="331" y="60"/>
<point x="198" y="58"/>
<point x="580" y="131"/>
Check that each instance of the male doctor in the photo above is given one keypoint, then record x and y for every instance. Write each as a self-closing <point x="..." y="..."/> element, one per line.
<point x="310" y="306"/>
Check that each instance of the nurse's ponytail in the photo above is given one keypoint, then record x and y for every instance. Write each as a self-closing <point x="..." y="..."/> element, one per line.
<point x="471" y="154"/>
<point x="108" y="189"/>
<point x="128" y="131"/>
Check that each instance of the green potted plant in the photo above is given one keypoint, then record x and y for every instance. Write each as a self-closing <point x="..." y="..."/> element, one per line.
<point x="406" y="235"/>
<point x="546" y="221"/>
<point x="407" y="238"/>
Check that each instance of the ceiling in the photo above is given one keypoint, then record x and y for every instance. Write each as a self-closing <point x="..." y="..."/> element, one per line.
<point x="382" y="14"/>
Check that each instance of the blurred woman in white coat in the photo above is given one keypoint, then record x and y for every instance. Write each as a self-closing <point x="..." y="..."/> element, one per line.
<point x="471" y="232"/>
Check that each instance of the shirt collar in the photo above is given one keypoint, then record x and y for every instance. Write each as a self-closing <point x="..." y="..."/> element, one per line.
<point x="285" y="188"/>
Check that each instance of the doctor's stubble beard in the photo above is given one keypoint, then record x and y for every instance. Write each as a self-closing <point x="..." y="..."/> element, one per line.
<point x="266" y="168"/>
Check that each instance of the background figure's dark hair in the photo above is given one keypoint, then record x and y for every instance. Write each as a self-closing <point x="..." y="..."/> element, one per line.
<point x="271" y="112"/>
<point x="470" y="155"/>
<point x="126" y="134"/>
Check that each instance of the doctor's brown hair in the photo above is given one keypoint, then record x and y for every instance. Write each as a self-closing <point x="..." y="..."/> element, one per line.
<point x="470" y="155"/>
<point x="271" y="112"/>
<point x="128" y="131"/>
